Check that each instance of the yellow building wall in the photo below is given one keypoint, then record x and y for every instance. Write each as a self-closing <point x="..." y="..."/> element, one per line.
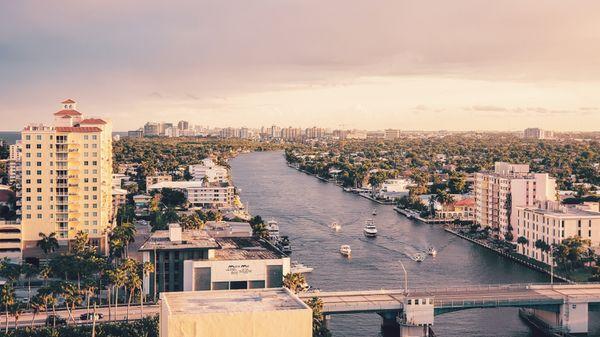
<point x="288" y="323"/>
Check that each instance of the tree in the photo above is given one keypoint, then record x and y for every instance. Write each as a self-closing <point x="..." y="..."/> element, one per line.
<point x="29" y="270"/>
<point x="172" y="198"/>
<point x="16" y="310"/>
<point x="120" y="238"/>
<point x="294" y="282"/>
<point x="35" y="305"/>
<point x="7" y="299"/>
<point x="192" y="221"/>
<point x="522" y="241"/>
<point x="48" y="243"/>
<point x="147" y="269"/>
<point x="319" y="327"/>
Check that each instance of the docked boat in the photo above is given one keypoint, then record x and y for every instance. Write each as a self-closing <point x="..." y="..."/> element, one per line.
<point x="284" y="245"/>
<point x="419" y="257"/>
<point x="273" y="228"/>
<point x="370" y="229"/>
<point x="299" y="268"/>
<point x="335" y="226"/>
<point x="432" y="251"/>
<point x="345" y="250"/>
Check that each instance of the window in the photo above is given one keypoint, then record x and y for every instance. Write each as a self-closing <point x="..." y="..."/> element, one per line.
<point x="256" y="284"/>
<point x="220" y="286"/>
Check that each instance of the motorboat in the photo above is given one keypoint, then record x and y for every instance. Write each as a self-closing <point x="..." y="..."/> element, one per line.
<point x="284" y="245"/>
<point x="345" y="250"/>
<point x="335" y="226"/>
<point x="370" y="230"/>
<point x="374" y="211"/>
<point x="432" y="251"/>
<point x="419" y="257"/>
<point x="299" y="268"/>
<point x="273" y="229"/>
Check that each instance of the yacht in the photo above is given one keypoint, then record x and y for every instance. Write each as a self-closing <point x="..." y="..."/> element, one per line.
<point x="284" y="245"/>
<point x="419" y="257"/>
<point x="345" y="250"/>
<point x="299" y="268"/>
<point x="335" y="226"/>
<point x="370" y="230"/>
<point x="273" y="228"/>
<point x="432" y="251"/>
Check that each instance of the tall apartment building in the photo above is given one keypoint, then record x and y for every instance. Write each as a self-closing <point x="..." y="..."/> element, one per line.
<point x="152" y="129"/>
<point x="183" y="125"/>
<point x="392" y="134"/>
<point x="67" y="177"/>
<point x="552" y="223"/>
<point x="510" y="185"/>
<point x="14" y="162"/>
<point x="537" y="133"/>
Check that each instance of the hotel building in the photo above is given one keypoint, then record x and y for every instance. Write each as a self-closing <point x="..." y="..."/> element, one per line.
<point x="552" y="223"/>
<point x="66" y="179"/>
<point x="510" y="185"/>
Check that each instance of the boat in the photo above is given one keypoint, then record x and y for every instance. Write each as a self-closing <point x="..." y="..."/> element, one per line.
<point x="419" y="257"/>
<point x="370" y="230"/>
<point x="273" y="229"/>
<point x="335" y="226"/>
<point x="432" y="251"/>
<point x="345" y="250"/>
<point x="284" y="245"/>
<point x="299" y="268"/>
<point x="374" y="211"/>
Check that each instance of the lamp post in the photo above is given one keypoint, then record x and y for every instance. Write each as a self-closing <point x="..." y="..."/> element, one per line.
<point x="405" y="278"/>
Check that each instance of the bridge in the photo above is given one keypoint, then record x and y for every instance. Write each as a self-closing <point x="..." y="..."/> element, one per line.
<point x="562" y="306"/>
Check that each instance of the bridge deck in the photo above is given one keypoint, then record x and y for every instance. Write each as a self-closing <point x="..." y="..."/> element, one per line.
<point x="450" y="299"/>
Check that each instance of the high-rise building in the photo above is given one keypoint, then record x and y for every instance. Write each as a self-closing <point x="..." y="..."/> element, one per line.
<point x="66" y="179"/>
<point x="392" y="134"/>
<point x="14" y="162"/>
<point x="183" y="125"/>
<point x="510" y="185"/>
<point x="537" y="133"/>
<point x="152" y="129"/>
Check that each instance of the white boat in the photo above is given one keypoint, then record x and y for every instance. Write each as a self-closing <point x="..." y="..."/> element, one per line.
<point x="419" y="257"/>
<point x="273" y="228"/>
<point x="335" y="226"/>
<point x="432" y="251"/>
<point x="299" y="268"/>
<point x="370" y="230"/>
<point x="345" y="250"/>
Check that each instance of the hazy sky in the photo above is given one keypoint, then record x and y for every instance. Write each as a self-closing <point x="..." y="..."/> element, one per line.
<point x="426" y="64"/>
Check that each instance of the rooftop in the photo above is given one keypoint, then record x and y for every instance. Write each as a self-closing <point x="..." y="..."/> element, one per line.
<point x="232" y="301"/>
<point x="77" y="129"/>
<point x="245" y="248"/>
<point x="190" y="239"/>
<point x="564" y="212"/>
<point x="92" y="121"/>
<point x="176" y="184"/>
<point x="67" y="112"/>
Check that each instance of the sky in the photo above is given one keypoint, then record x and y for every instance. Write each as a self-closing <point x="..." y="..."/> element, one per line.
<point x="411" y="65"/>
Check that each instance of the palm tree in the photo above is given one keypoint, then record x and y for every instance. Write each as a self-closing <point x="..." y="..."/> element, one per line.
<point x="522" y="241"/>
<point x="147" y="269"/>
<point x="7" y="299"/>
<point x="29" y="271"/>
<point x="48" y="243"/>
<point x="71" y="295"/>
<point x="294" y="282"/>
<point x="118" y="280"/>
<point x="16" y="311"/>
<point x="35" y="305"/>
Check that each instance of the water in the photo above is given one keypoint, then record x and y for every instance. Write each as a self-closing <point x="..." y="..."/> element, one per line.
<point x="304" y="208"/>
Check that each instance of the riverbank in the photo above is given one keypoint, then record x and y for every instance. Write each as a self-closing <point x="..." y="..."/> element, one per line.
<point x="417" y="216"/>
<point x="513" y="257"/>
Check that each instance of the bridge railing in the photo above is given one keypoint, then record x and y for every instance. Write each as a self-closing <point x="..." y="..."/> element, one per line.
<point x="500" y="302"/>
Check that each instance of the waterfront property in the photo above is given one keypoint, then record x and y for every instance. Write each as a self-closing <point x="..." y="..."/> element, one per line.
<point x="462" y="210"/>
<point x="510" y="185"/>
<point x="201" y="194"/>
<point x="209" y="171"/>
<point x="193" y="260"/>
<point x="66" y="179"/>
<point x="250" y="313"/>
<point x="551" y="223"/>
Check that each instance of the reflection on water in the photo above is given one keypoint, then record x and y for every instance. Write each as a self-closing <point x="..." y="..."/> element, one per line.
<point x="305" y="208"/>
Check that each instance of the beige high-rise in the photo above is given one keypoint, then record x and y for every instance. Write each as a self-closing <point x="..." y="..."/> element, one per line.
<point x="66" y="179"/>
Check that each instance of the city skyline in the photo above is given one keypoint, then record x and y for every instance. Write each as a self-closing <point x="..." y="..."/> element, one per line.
<point x="425" y="66"/>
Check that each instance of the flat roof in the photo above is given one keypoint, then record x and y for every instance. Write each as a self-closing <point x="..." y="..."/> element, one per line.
<point x="230" y="301"/>
<point x="569" y="212"/>
<point x="190" y="239"/>
<point x="245" y="248"/>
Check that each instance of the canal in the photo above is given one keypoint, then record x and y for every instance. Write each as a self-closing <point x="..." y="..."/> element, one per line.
<point x="304" y="207"/>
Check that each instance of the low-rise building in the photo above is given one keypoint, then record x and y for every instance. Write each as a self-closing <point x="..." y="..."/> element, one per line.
<point x="10" y="240"/>
<point x="217" y="229"/>
<point x="155" y="179"/>
<point x="392" y="189"/>
<point x="200" y="194"/>
<point x="551" y="223"/>
<point x="249" y="313"/>
<point x="141" y="203"/>
<point x="212" y="173"/>
<point x="463" y="210"/>
<point x="119" y="198"/>
<point x="193" y="260"/>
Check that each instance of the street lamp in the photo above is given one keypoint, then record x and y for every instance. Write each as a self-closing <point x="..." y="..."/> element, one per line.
<point x="405" y="278"/>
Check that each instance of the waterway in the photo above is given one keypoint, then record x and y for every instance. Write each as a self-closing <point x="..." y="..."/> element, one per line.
<point x="304" y="208"/>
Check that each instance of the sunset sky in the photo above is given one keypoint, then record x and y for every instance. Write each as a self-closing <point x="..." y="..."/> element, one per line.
<point x="427" y="64"/>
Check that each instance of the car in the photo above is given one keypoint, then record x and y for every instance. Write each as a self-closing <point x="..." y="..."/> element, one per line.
<point x="55" y="320"/>
<point x="90" y="315"/>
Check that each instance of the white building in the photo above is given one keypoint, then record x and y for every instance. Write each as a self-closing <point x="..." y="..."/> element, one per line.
<point x="14" y="162"/>
<point x="537" y="133"/>
<point x="510" y="185"/>
<point x="392" y="189"/>
<point x="552" y="223"/>
<point x="199" y="194"/>
<point x="212" y="172"/>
